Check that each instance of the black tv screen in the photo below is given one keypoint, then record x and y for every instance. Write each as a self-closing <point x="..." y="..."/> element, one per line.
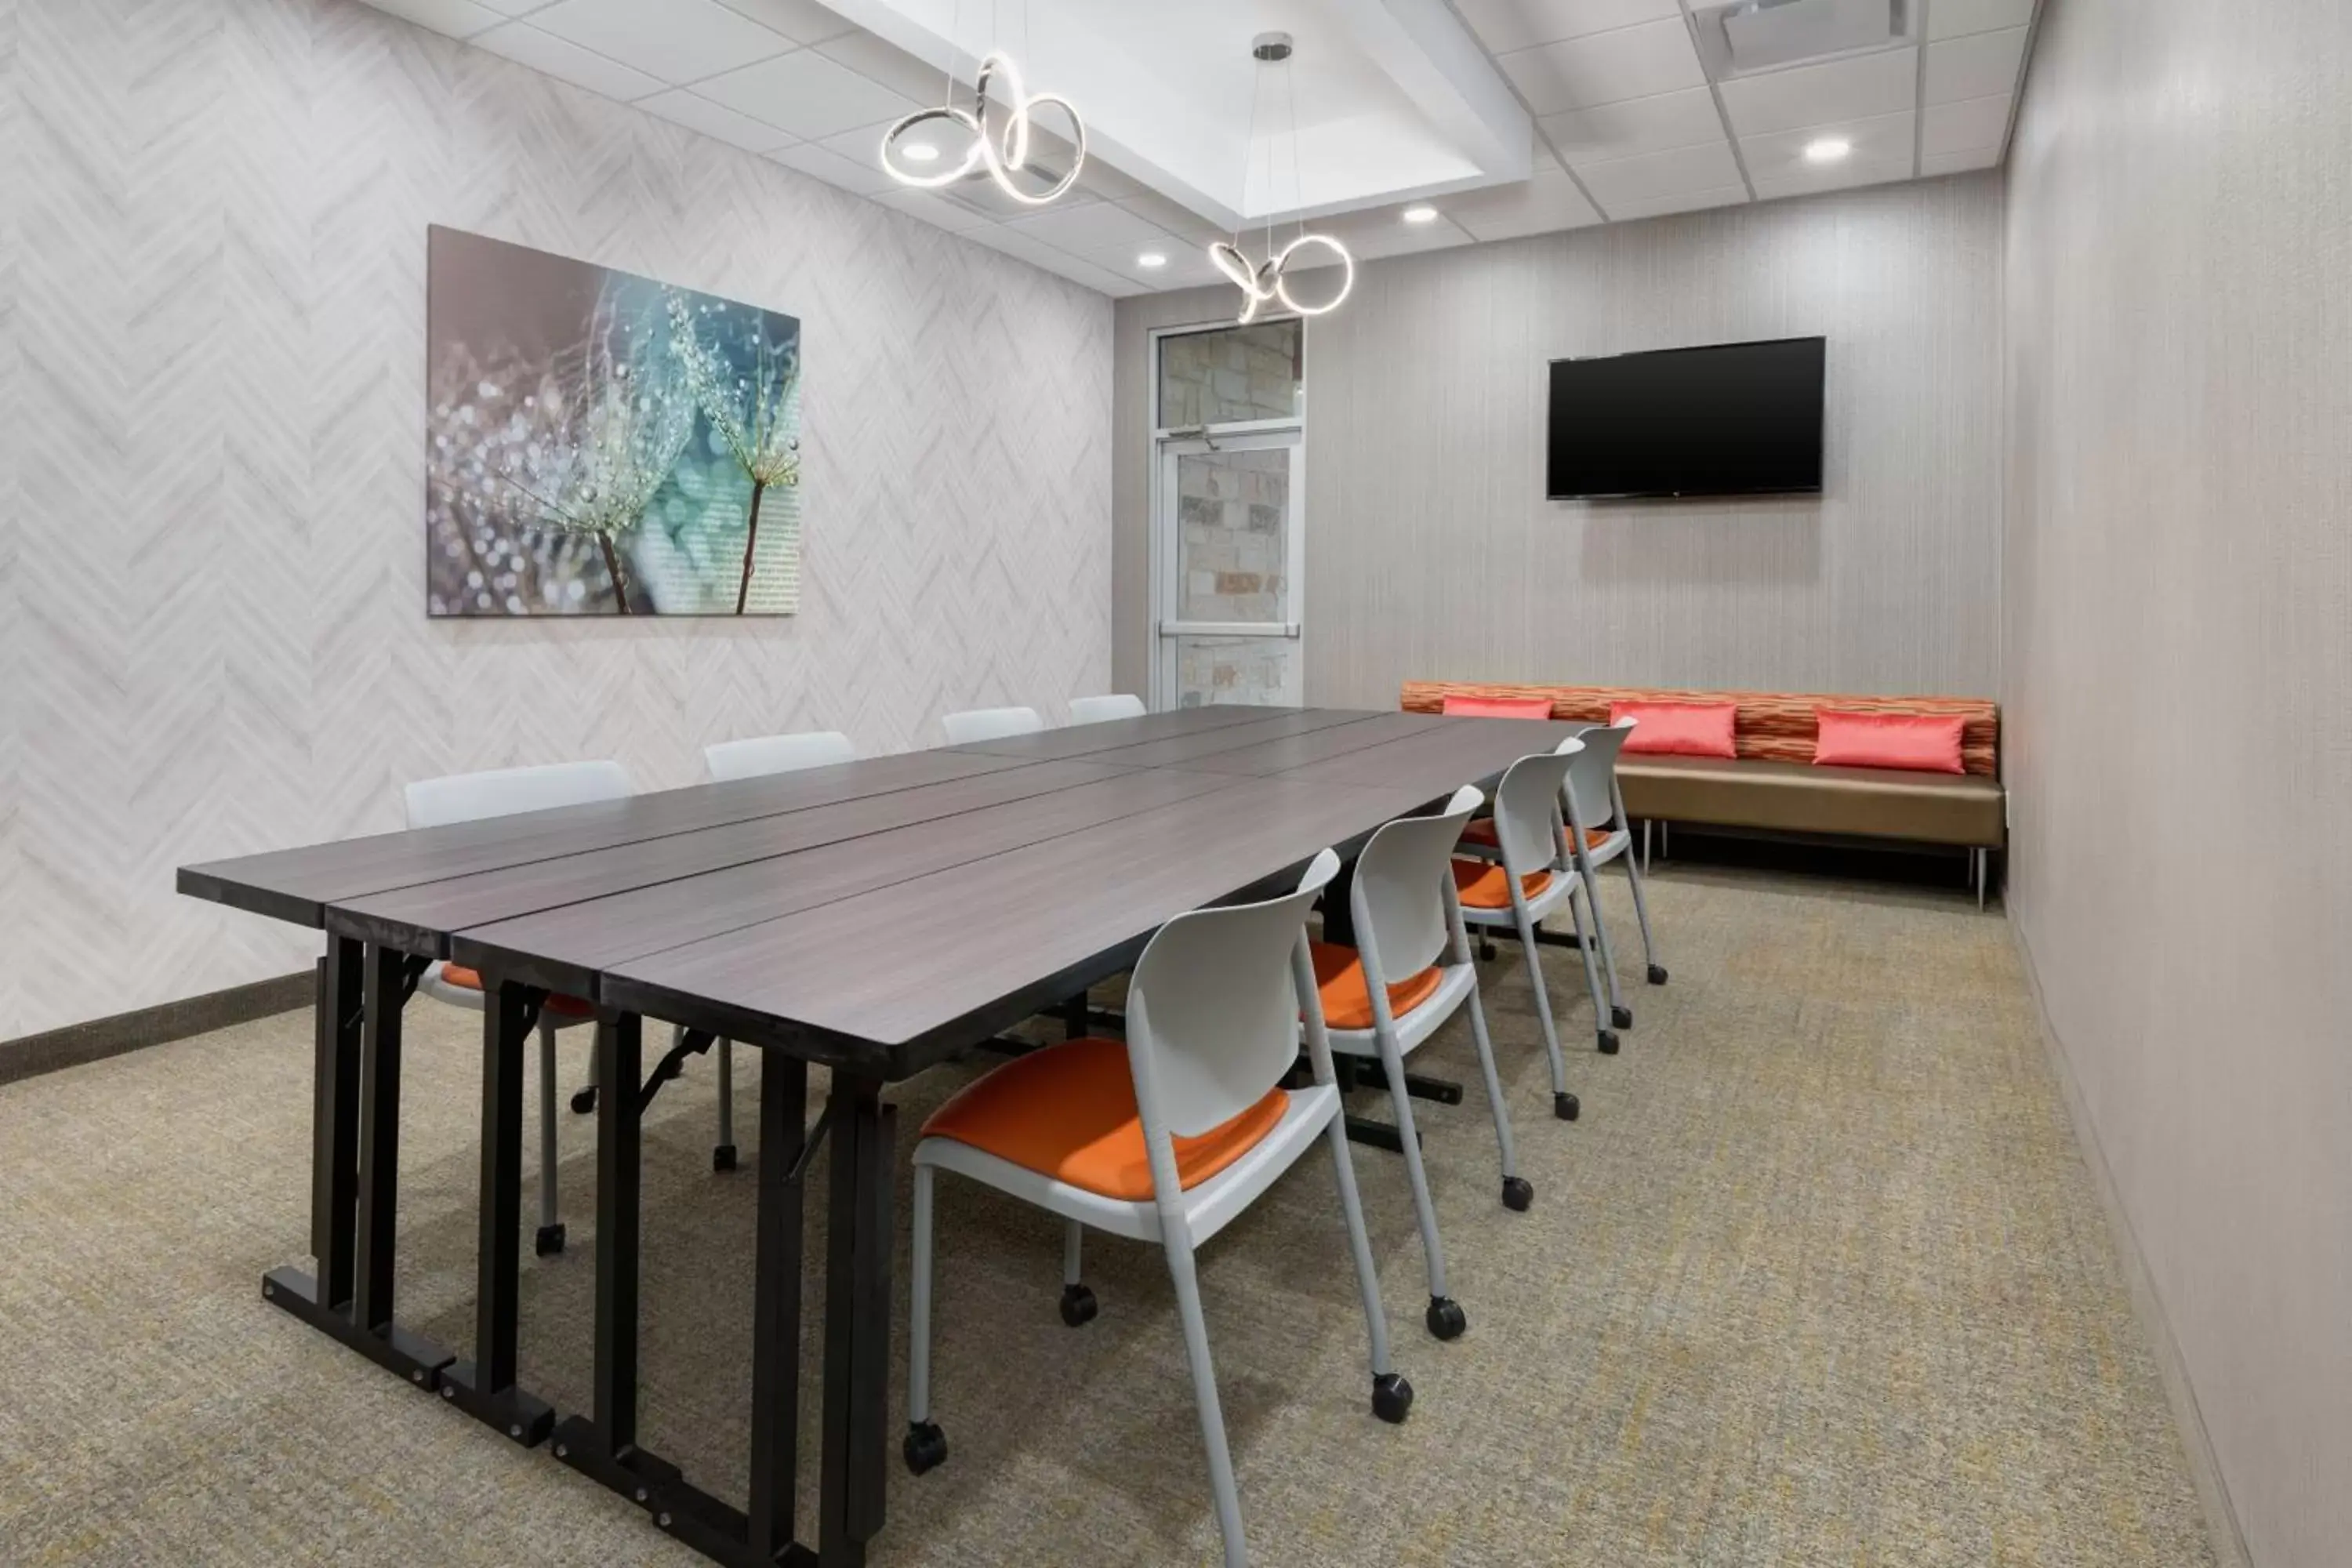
<point x="1732" y="419"/>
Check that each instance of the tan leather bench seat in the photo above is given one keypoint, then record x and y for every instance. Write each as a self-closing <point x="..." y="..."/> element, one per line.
<point x="1800" y="797"/>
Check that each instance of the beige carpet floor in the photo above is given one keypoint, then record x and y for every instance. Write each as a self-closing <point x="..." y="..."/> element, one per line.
<point x="1820" y="1277"/>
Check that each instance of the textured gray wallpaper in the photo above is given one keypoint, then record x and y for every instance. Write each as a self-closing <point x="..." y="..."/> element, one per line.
<point x="212" y="426"/>
<point x="1432" y="552"/>
<point x="2179" y="686"/>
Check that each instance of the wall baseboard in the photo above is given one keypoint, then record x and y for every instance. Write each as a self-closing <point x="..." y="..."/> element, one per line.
<point x="2204" y="1467"/>
<point x="102" y="1038"/>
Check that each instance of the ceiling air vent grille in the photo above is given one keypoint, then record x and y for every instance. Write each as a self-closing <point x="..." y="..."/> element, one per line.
<point x="1769" y="35"/>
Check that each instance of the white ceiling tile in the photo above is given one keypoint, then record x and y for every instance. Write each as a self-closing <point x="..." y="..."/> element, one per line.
<point x="862" y="144"/>
<point x="1654" y="175"/>
<point x="458" y="18"/>
<point x="1690" y="201"/>
<point x="1952" y="18"/>
<point x="1982" y="64"/>
<point x="678" y="40"/>
<point x="1383" y="232"/>
<point x="1833" y="177"/>
<point x="1607" y="68"/>
<point x="891" y="66"/>
<point x="1181" y="259"/>
<point x="1547" y="202"/>
<point x="801" y="21"/>
<point x="805" y="94"/>
<point x="1964" y="126"/>
<point x="1507" y="24"/>
<point x="1182" y="221"/>
<point x="565" y="61"/>
<point x="1780" y="154"/>
<point x="517" y="7"/>
<point x="980" y="193"/>
<point x="1037" y="253"/>
<point x="1638" y="125"/>
<point x="1934" y="164"/>
<point x="1855" y="88"/>
<point x="1096" y="226"/>
<point x="712" y="120"/>
<point x="1185" y="270"/>
<point x="948" y="216"/>
<point x="834" y="169"/>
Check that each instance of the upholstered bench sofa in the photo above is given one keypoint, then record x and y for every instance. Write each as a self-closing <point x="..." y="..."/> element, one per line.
<point x="1772" y="783"/>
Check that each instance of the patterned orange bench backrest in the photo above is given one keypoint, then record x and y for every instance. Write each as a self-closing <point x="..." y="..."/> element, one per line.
<point x="1772" y="726"/>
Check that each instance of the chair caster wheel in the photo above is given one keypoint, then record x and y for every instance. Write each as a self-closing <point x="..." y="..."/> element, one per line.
<point x="926" y="1446"/>
<point x="722" y="1157"/>
<point x="1486" y="949"/>
<point x="1517" y="1194"/>
<point x="548" y="1241"/>
<point x="584" y="1100"/>
<point x="1392" y="1398"/>
<point x="1564" y="1106"/>
<point x="1078" y="1306"/>
<point x="1608" y="1042"/>
<point x="1445" y="1318"/>
<point x="1657" y="975"/>
<point x="1623" y="1017"/>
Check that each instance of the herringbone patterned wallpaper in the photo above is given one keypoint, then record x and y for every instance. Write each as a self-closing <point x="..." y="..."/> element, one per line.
<point x="212" y="364"/>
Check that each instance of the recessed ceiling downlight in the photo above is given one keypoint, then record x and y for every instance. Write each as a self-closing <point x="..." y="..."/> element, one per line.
<point x="1420" y="215"/>
<point x="1827" y="150"/>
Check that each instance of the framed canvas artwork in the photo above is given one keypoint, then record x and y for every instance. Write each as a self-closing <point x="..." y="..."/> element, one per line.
<point x="603" y="444"/>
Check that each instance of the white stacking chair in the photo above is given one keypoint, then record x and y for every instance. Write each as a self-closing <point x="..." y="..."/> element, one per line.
<point x="1095" y="709"/>
<point x="502" y="792"/>
<point x="1529" y="880"/>
<point x="754" y="758"/>
<point x="1089" y="1129"/>
<point x="1598" y="831"/>
<point x="990" y="724"/>
<point x="777" y="755"/>
<point x="1410" y="970"/>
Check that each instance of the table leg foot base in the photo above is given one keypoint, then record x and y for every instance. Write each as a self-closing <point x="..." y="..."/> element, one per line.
<point x="676" y="1506"/>
<point x="523" y="1417"/>
<point x="409" y="1356"/>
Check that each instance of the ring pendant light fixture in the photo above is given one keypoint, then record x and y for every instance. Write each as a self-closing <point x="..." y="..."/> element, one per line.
<point x="1267" y="281"/>
<point x="1004" y="153"/>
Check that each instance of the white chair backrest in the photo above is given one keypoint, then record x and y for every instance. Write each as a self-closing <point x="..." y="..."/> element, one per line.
<point x="1400" y="891"/>
<point x="777" y="755"/>
<point x="1527" y="804"/>
<point x="990" y="724"/>
<point x="1592" y="777"/>
<point x="1095" y="709"/>
<point x="502" y="792"/>
<point x="1212" y="1009"/>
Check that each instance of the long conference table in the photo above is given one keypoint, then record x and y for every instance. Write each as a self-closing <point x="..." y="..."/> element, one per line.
<point x="875" y="917"/>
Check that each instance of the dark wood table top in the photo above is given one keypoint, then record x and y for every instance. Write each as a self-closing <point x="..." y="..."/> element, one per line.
<point x="883" y="912"/>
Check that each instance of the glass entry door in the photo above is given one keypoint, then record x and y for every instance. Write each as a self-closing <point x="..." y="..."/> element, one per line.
<point x="1229" y="547"/>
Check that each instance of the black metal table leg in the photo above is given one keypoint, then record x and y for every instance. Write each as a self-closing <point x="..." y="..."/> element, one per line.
<point x="856" y="1322"/>
<point x="365" y="1322"/>
<point x="603" y="1444"/>
<point x="485" y="1387"/>
<point x="776" y="1305"/>
<point x="334" y="1147"/>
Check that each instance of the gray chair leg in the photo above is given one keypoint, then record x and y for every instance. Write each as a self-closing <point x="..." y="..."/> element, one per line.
<point x="1445" y="1317"/>
<point x="1391" y="1395"/>
<point x="1634" y="874"/>
<point x="723" y="1155"/>
<point x="1205" y="1396"/>
<point x="1563" y="1104"/>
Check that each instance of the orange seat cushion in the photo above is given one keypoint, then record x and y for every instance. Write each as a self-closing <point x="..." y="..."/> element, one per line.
<point x="1068" y="1111"/>
<point x="1348" y="999"/>
<point x="458" y="974"/>
<point x="1481" y="830"/>
<point x="1483" y="885"/>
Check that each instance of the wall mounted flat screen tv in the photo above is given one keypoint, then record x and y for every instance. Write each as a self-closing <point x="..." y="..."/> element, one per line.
<point x="1730" y="419"/>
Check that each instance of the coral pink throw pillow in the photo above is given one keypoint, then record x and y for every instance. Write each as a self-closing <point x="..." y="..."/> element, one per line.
<point x="1922" y="742"/>
<point x="1680" y="728"/>
<point x="1498" y="707"/>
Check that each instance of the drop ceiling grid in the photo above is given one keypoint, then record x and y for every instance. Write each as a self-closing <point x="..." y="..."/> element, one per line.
<point x="792" y="81"/>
